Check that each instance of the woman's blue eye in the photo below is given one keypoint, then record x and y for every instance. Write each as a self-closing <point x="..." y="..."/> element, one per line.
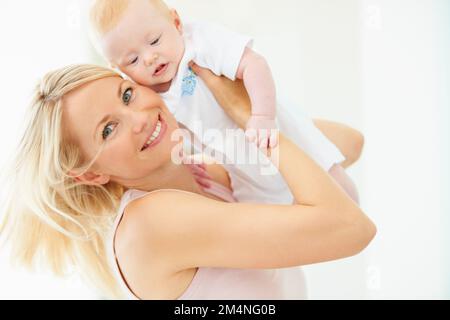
<point x="108" y="130"/>
<point x="127" y="95"/>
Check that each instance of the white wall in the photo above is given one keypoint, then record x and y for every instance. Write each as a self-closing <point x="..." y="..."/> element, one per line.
<point x="406" y="83"/>
<point x="380" y="66"/>
<point x="36" y="36"/>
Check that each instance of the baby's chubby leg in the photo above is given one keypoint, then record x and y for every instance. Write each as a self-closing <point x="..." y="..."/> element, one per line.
<point x="349" y="141"/>
<point x="315" y="140"/>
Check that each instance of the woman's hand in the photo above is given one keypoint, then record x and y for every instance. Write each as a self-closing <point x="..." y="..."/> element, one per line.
<point x="231" y="95"/>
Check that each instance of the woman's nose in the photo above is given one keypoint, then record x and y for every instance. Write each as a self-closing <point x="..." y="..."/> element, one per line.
<point x="150" y="59"/>
<point x="139" y="120"/>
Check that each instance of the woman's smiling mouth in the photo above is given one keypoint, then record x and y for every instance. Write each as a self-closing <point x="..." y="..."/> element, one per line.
<point x="156" y="135"/>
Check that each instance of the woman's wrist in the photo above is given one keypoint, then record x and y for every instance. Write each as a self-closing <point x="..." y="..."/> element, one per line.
<point x="239" y="114"/>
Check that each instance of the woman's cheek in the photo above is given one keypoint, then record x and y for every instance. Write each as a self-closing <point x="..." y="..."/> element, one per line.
<point x="119" y="150"/>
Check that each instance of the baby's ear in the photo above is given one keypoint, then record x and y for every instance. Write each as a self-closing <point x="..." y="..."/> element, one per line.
<point x="176" y="20"/>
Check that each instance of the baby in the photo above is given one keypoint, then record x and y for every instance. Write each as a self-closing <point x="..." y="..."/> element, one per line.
<point x="148" y="42"/>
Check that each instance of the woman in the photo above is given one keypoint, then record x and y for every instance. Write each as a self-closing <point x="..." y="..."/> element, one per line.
<point x="95" y="171"/>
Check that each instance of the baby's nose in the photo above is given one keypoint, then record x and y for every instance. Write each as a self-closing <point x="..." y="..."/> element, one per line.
<point x="151" y="58"/>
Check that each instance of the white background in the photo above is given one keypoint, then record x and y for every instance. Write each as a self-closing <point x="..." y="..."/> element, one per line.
<point x="381" y="66"/>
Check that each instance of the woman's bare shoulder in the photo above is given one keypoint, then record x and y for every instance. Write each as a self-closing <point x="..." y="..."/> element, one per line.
<point x="142" y="215"/>
<point x="138" y="251"/>
<point x="145" y="218"/>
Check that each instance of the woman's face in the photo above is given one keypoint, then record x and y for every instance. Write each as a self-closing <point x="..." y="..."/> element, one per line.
<point x="130" y="120"/>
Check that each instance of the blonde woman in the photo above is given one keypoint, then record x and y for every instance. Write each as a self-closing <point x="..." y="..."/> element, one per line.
<point x="95" y="186"/>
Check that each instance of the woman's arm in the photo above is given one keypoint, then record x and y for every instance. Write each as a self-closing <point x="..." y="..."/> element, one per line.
<point x="183" y="230"/>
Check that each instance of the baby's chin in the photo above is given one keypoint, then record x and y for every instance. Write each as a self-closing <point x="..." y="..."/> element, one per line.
<point x="165" y="82"/>
<point x="161" y="87"/>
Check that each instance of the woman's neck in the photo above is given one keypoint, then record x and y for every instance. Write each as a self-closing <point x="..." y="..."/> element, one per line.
<point x="172" y="176"/>
<point x="178" y="177"/>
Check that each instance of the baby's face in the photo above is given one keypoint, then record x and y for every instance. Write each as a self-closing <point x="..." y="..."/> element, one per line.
<point x="147" y="45"/>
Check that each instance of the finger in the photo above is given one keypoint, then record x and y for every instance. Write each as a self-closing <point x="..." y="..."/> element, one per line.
<point x="263" y="142"/>
<point x="195" y="170"/>
<point x="204" y="183"/>
<point x="263" y="146"/>
<point x="263" y="136"/>
<point x="201" y="178"/>
<point x="251" y="135"/>
<point x="203" y="73"/>
<point x="199" y="171"/>
<point x="192" y="167"/>
<point x="203" y="174"/>
<point x="203" y="169"/>
<point x="273" y="139"/>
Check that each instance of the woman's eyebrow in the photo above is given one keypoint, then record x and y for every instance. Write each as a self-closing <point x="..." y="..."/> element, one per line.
<point x="119" y="90"/>
<point x="103" y="120"/>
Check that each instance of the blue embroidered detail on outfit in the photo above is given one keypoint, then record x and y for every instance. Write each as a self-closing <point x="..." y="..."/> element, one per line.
<point x="189" y="83"/>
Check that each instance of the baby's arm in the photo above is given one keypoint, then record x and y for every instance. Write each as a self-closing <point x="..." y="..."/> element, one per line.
<point x="255" y="72"/>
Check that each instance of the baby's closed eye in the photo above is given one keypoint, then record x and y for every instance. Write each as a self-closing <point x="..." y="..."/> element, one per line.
<point x="155" y="42"/>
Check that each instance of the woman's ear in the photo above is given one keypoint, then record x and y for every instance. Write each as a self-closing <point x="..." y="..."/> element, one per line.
<point x="176" y="20"/>
<point x="90" y="178"/>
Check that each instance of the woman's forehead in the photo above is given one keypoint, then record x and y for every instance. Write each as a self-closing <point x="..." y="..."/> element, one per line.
<point x="87" y="105"/>
<point x="95" y="91"/>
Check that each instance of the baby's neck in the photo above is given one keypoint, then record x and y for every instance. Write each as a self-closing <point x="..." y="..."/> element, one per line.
<point x="162" y="87"/>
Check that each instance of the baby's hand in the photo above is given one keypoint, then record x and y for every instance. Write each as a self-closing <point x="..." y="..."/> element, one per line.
<point x="199" y="171"/>
<point x="262" y="130"/>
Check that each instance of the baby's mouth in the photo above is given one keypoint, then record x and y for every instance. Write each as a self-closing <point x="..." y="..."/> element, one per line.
<point x="160" y="69"/>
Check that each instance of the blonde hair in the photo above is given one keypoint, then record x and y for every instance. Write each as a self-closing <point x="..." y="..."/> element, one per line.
<point x="49" y="216"/>
<point x="106" y="14"/>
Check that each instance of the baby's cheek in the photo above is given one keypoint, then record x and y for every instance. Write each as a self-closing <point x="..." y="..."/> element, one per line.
<point x="175" y="50"/>
<point x="140" y="78"/>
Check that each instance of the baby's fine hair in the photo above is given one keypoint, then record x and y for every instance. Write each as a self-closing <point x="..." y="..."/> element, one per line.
<point x="49" y="216"/>
<point x="106" y="14"/>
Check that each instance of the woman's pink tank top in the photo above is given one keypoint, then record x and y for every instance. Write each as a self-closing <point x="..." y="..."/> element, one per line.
<point x="213" y="283"/>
